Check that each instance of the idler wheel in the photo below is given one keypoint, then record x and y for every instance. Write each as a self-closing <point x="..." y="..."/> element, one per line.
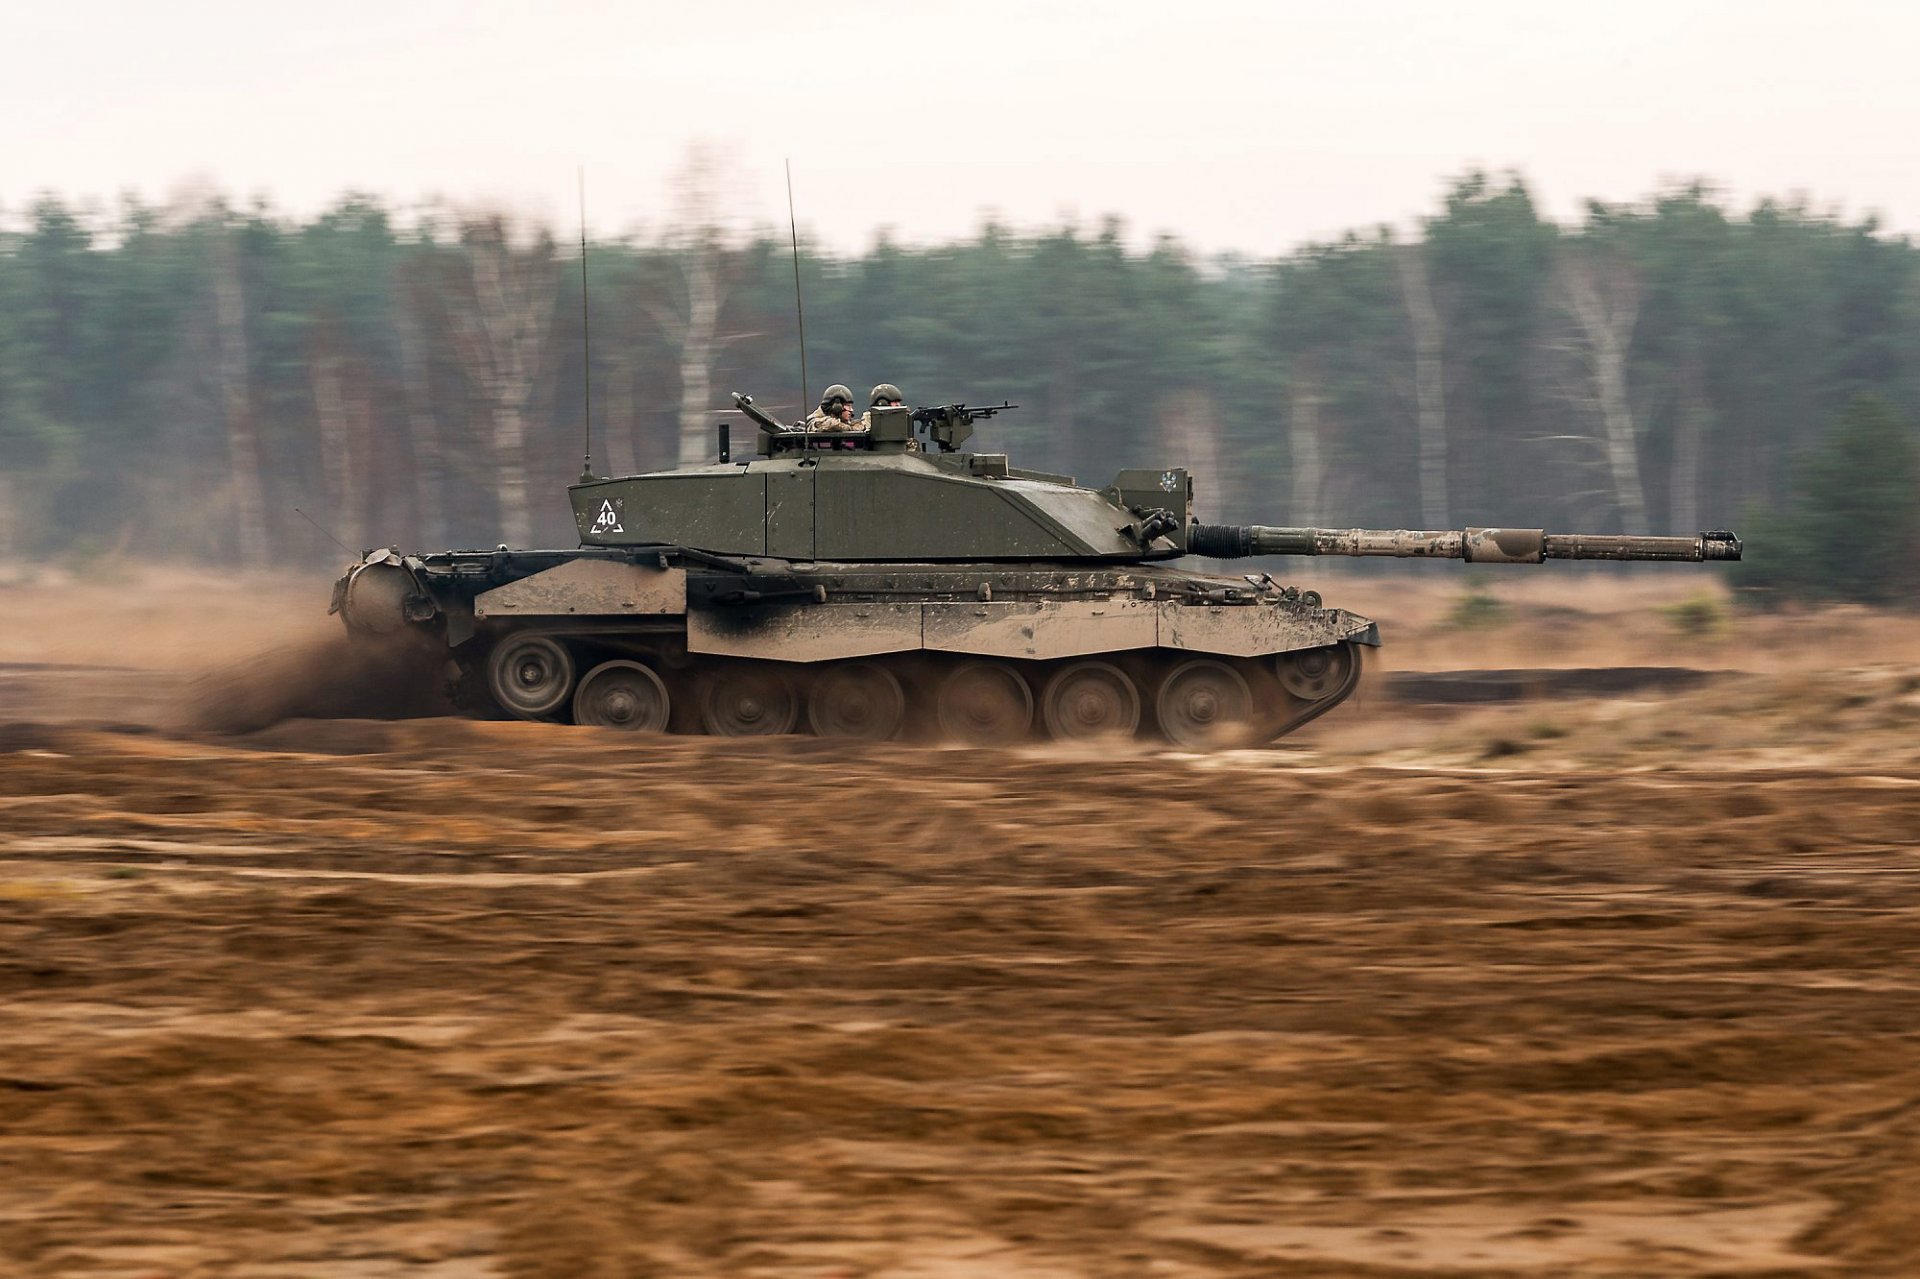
<point x="377" y="595"/>
<point x="750" y="701"/>
<point x="1205" y="703"/>
<point x="624" y="695"/>
<point x="1313" y="673"/>
<point x="859" y="700"/>
<point x="530" y="675"/>
<point x="1090" y="700"/>
<point x="984" y="704"/>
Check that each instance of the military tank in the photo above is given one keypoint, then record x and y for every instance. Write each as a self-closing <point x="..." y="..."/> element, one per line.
<point x="879" y="582"/>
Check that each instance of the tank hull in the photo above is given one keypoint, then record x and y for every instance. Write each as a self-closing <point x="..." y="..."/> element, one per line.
<point x="671" y="638"/>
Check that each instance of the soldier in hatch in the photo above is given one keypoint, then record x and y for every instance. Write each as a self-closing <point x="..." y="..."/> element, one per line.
<point x="835" y="412"/>
<point x="886" y="395"/>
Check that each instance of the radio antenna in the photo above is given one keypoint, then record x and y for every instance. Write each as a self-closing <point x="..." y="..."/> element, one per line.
<point x="324" y="529"/>
<point x="799" y="312"/>
<point x="586" y="344"/>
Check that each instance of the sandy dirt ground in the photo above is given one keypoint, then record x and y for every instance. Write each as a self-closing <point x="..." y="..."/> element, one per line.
<point x="1586" y="986"/>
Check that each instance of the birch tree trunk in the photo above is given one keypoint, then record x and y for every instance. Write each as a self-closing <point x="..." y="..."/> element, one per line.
<point x="1606" y="315"/>
<point x="1303" y="433"/>
<point x="8" y="516"/>
<point x="697" y="348"/>
<point x="705" y="193"/>
<point x="1063" y="397"/>
<point x="621" y="456"/>
<point x="1689" y="431"/>
<point x="343" y="413"/>
<point x="502" y="324"/>
<point x="236" y="402"/>
<point x="423" y="428"/>
<point x="1429" y="384"/>
<point x="510" y="468"/>
<point x="496" y="310"/>
<point x="1190" y="437"/>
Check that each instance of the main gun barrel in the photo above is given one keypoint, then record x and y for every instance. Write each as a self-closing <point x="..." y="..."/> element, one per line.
<point x="1476" y="545"/>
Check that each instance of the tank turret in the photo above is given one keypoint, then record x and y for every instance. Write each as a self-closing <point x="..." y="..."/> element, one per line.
<point x="871" y="579"/>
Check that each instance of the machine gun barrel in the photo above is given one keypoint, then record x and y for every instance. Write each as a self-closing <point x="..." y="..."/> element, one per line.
<point x="959" y="412"/>
<point x="745" y="404"/>
<point x="1476" y="545"/>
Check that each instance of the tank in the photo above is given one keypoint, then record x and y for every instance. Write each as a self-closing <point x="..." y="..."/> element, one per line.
<point x="887" y="582"/>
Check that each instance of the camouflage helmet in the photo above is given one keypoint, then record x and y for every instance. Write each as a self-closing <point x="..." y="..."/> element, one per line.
<point x="835" y="392"/>
<point x="885" y="393"/>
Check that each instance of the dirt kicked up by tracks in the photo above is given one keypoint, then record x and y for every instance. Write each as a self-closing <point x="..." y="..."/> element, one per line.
<point x="1602" y="987"/>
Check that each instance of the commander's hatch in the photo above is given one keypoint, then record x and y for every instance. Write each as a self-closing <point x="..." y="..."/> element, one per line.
<point x="893" y="430"/>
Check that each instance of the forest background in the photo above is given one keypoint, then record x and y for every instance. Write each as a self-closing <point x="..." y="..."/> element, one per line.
<point x="184" y="382"/>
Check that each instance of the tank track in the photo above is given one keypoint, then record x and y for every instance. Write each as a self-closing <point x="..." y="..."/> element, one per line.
<point x="619" y="679"/>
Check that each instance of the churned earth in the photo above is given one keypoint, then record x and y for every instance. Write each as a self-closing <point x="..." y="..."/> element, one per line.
<point x="1623" y="985"/>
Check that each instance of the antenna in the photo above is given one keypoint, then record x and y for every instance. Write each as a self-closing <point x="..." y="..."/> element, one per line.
<point x="586" y="345"/>
<point x="799" y="312"/>
<point x="323" y="528"/>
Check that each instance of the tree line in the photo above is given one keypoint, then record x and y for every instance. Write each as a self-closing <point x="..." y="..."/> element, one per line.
<point x="223" y="383"/>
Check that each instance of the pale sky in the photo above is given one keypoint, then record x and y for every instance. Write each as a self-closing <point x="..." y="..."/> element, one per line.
<point x="1234" y="125"/>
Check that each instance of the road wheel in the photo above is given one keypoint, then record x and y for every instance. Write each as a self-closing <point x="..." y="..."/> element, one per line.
<point x="1313" y="673"/>
<point x="1203" y="703"/>
<point x="1091" y="700"/>
<point x="861" y="700"/>
<point x="750" y="701"/>
<point x="985" y="704"/>
<point x="623" y="695"/>
<point x="530" y="675"/>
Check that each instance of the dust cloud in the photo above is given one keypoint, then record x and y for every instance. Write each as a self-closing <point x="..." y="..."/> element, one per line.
<point x="321" y="678"/>
<point x="1573" y="985"/>
<point x="181" y="650"/>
